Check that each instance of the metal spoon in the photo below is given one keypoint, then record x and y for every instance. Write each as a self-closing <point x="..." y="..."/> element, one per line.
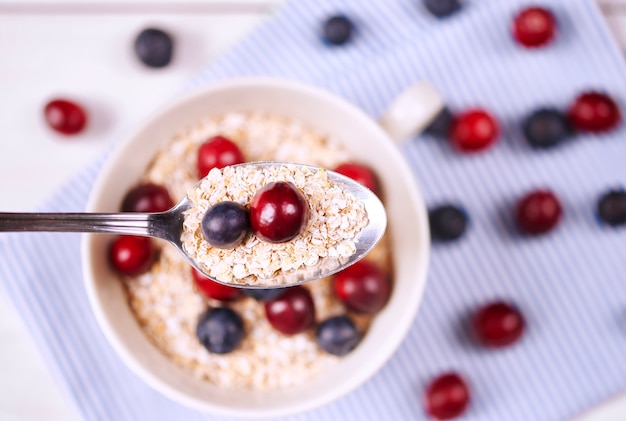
<point x="168" y="226"/>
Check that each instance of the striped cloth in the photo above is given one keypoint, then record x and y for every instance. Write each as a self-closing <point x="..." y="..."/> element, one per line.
<point x="569" y="284"/>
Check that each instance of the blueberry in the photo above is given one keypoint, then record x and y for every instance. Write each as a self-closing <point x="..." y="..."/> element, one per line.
<point x="442" y="8"/>
<point x="447" y="222"/>
<point x="440" y="126"/>
<point x="154" y="47"/>
<point x="225" y="224"/>
<point x="220" y="330"/>
<point x="337" y="30"/>
<point x="546" y="127"/>
<point x="261" y="294"/>
<point x="337" y="335"/>
<point x="612" y="208"/>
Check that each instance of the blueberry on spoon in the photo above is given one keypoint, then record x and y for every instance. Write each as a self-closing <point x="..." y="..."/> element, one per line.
<point x="225" y="224"/>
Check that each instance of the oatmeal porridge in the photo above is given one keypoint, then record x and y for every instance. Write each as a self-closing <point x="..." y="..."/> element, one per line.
<point x="172" y="303"/>
<point x="335" y="218"/>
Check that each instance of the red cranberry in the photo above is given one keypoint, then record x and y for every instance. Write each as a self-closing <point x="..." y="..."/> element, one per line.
<point x="594" y="112"/>
<point x="497" y="324"/>
<point x="362" y="287"/>
<point x="534" y="27"/>
<point x="131" y="255"/>
<point x="217" y="152"/>
<point x="212" y="289"/>
<point x="65" y="117"/>
<point x="474" y="130"/>
<point x="278" y="212"/>
<point x="447" y="396"/>
<point x="360" y="173"/>
<point x="538" y="212"/>
<point x="147" y="198"/>
<point x="292" y="312"/>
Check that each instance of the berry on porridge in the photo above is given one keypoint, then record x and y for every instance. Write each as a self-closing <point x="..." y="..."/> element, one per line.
<point x="211" y="289"/>
<point x="225" y="224"/>
<point x="147" y="197"/>
<point x="263" y="294"/>
<point x="337" y="335"/>
<point x="362" y="287"/>
<point x="360" y="173"/>
<point x="217" y="152"/>
<point x="131" y="255"/>
<point x="278" y="212"/>
<point x="292" y="312"/>
<point x="220" y="330"/>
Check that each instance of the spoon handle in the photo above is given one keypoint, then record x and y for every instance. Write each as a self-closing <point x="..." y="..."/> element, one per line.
<point x="114" y="223"/>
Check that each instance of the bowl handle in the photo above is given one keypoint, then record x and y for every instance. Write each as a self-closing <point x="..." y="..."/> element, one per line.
<point x="411" y="111"/>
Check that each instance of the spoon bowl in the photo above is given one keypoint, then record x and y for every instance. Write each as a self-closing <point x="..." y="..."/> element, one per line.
<point x="168" y="226"/>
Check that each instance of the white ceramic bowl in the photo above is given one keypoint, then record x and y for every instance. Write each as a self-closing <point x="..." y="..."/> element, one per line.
<point x="367" y="143"/>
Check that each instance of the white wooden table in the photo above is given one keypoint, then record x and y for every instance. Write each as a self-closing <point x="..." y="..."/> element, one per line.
<point x="83" y="50"/>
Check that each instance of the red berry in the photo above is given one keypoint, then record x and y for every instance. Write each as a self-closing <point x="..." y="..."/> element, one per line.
<point x="594" y="112"/>
<point x="538" y="212"/>
<point x="497" y="324"/>
<point x="534" y="27"/>
<point x="217" y="152"/>
<point x="65" y="117"/>
<point x="212" y="289"/>
<point x="360" y="173"/>
<point x="147" y="198"/>
<point x="292" y="312"/>
<point x="447" y="396"/>
<point x="278" y="212"/>
<point x="362" y="287"/>
<point x="131" y="255"/>
<point x="474" y="130"/>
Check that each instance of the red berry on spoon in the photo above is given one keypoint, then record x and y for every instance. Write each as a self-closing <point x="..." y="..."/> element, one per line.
<point x="360" y="173"/>
<point x="594" y="112"/>
<point x="278" y="212"/>
<point x="148" y="198"/>
<point x="292" y="312"/>
<point x="362" y="287"/>
<point x="447" y="396"/>
<point x="497" y="324"/>
<point x="217" y="152"/>
<point x="538" y="212"/>
<point x="65" y="117"/>
<point x="212" y="289"/>
<point x="534" y="27"/>
<point x="474" y="130"/>
<point x="131" y="255"/>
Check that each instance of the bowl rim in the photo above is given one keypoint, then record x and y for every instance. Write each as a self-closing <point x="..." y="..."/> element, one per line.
<point x="382" y="356"/>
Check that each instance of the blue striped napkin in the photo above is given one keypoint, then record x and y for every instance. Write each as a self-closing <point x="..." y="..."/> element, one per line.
<point x="570" y="284"/>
